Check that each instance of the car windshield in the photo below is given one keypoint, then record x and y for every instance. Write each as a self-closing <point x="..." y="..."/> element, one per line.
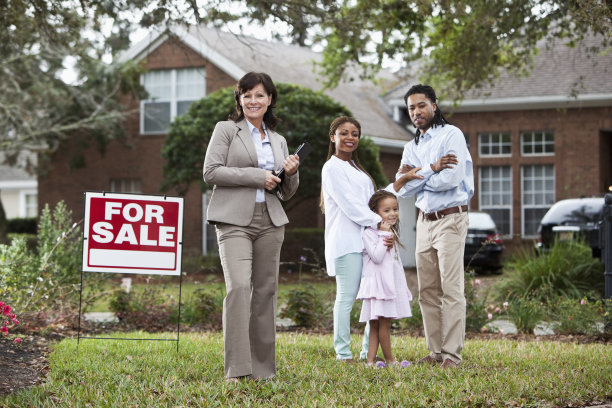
<point x="574" y="211"/>
<point x="480" y="220"/>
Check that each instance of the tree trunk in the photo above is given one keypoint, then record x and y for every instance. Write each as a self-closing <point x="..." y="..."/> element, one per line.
<point x="3" y="226"/>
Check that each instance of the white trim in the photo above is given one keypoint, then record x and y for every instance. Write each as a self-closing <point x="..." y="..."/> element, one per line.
<point x="144" y="47"/>
<point x="484" y="207"/>
<point x="535" y="206"/>
<point x="531" y="132"/>
<point x="389" y="145"/>
<point x="23" y="211"/>
<point x="173" y="99"/>
<point x="18" y="185"/>
<point x="210" y="54"/>
<point x="522" y="103"/>
<point x="500" y="144"/>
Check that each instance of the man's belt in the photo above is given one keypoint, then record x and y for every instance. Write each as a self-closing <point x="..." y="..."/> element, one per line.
<point x="437" y="215"/>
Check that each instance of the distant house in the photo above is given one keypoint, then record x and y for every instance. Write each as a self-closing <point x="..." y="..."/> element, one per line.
<point x="18" y="192"/>
<point x="537" y="139"/>
<point x="184" y="66"/>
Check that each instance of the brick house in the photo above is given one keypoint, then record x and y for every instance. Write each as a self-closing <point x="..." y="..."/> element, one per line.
<point x="18" y="191"/>
<point x="537" y="139"/>
<point x="186" y="65"/>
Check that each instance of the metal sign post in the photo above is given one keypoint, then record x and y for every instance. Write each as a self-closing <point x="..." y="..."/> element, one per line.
<point x="132" y="233"/>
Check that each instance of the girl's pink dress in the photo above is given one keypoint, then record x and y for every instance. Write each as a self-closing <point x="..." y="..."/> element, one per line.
<point x="383" y="287"/>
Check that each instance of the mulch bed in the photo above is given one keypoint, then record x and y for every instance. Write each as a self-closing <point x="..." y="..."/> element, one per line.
<point x="24" y="365"/>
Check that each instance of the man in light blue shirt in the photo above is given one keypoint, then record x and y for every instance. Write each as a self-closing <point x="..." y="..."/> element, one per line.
<point x="442" y="197"/>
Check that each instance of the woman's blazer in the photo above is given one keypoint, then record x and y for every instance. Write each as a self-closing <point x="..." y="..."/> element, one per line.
<point x="231" y="165"/>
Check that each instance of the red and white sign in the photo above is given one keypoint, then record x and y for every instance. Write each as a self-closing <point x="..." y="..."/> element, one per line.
<point x="130" y="233"/>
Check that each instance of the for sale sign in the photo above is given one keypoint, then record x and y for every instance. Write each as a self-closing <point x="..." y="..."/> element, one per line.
<point x="130" y="233"/>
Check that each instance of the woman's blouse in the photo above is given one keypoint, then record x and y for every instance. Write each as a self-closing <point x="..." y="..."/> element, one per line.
<point x="265" y="157"/>
<point x="346" y="192"/>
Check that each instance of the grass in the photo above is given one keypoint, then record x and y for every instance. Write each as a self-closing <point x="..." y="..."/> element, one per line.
<point x="495" y="373"/>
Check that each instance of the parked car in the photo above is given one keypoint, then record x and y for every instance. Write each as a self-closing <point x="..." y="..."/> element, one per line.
<point x="484" y="246"/>
<point x="572" y="219"/>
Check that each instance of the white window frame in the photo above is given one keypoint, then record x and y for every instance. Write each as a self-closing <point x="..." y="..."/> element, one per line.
<point x="23" y="203"/>
<point x="534" y="206"/>
<point x="124" y="188"/>
<point x="173" y="100"/>
<point x="500" y="206"/>
<point x="532" y="143"/>
<point x="499" y="143"/>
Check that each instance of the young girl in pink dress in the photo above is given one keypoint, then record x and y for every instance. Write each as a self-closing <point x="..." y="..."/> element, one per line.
<point x="383" y="287"/>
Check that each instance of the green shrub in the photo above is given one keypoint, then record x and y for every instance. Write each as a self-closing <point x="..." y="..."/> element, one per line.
<point x="120" y="303"/>
<point x="46" y="278"/>
<point x="308" y="243"/>
<point x="475" y="306"/>
<point x="30" y="239"/>
<point x="525" y="314"/>
<point x="306" y="308"/>
<point x="413" y="322"/>
<point x="573" y="316"/>
<point x="196" y="262"/>
<point x="608" y="316"/>
<point x="355" y="314"/>
<point x="22" y="225"/>
<point x="205" y="306"/>
<point x="568" y="270"/>
<point x="147" y="309"/>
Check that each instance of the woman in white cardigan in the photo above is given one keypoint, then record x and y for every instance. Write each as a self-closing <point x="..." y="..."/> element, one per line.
<point x="346" y="188"/>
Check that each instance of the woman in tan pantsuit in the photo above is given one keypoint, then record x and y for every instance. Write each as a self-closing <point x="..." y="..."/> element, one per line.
<point x="241" y="161"/>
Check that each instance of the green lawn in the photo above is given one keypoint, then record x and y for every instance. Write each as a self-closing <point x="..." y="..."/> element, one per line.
<point x="495" y="373"/>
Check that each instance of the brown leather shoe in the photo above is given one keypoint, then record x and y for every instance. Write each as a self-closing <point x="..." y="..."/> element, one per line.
<point x="429" y="360"/>
<point x="448" y="363"/>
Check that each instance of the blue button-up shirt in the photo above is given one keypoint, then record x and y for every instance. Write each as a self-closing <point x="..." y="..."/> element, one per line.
<point x="265" y="156"/>
<point x="450" y="187"/>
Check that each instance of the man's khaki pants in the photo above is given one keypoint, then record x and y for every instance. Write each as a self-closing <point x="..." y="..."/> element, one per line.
<point x="250" y="258"/>
<point x="439" y="259"/>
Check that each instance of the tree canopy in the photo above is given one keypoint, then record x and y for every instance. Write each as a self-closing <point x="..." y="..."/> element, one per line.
<point x="305" y="115"/>
<point x="38" y="40"/>
<point x="459" y="45"/>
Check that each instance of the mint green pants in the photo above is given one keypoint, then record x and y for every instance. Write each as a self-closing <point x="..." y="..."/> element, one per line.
<point x="348" y="278"/>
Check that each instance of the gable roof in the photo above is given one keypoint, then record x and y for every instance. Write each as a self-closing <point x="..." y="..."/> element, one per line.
<point x="236" y="55"/>
<point x="16" y="176"/>
<point x="561" y="77"/>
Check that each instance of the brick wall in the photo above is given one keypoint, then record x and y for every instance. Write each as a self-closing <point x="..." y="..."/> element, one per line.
<point x="580" y="149"/>
<point x="136" y="157"/>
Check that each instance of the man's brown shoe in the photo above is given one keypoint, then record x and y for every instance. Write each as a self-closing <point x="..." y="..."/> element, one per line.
<point x="448" y="363"/>
<point x="429" y="360"/>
